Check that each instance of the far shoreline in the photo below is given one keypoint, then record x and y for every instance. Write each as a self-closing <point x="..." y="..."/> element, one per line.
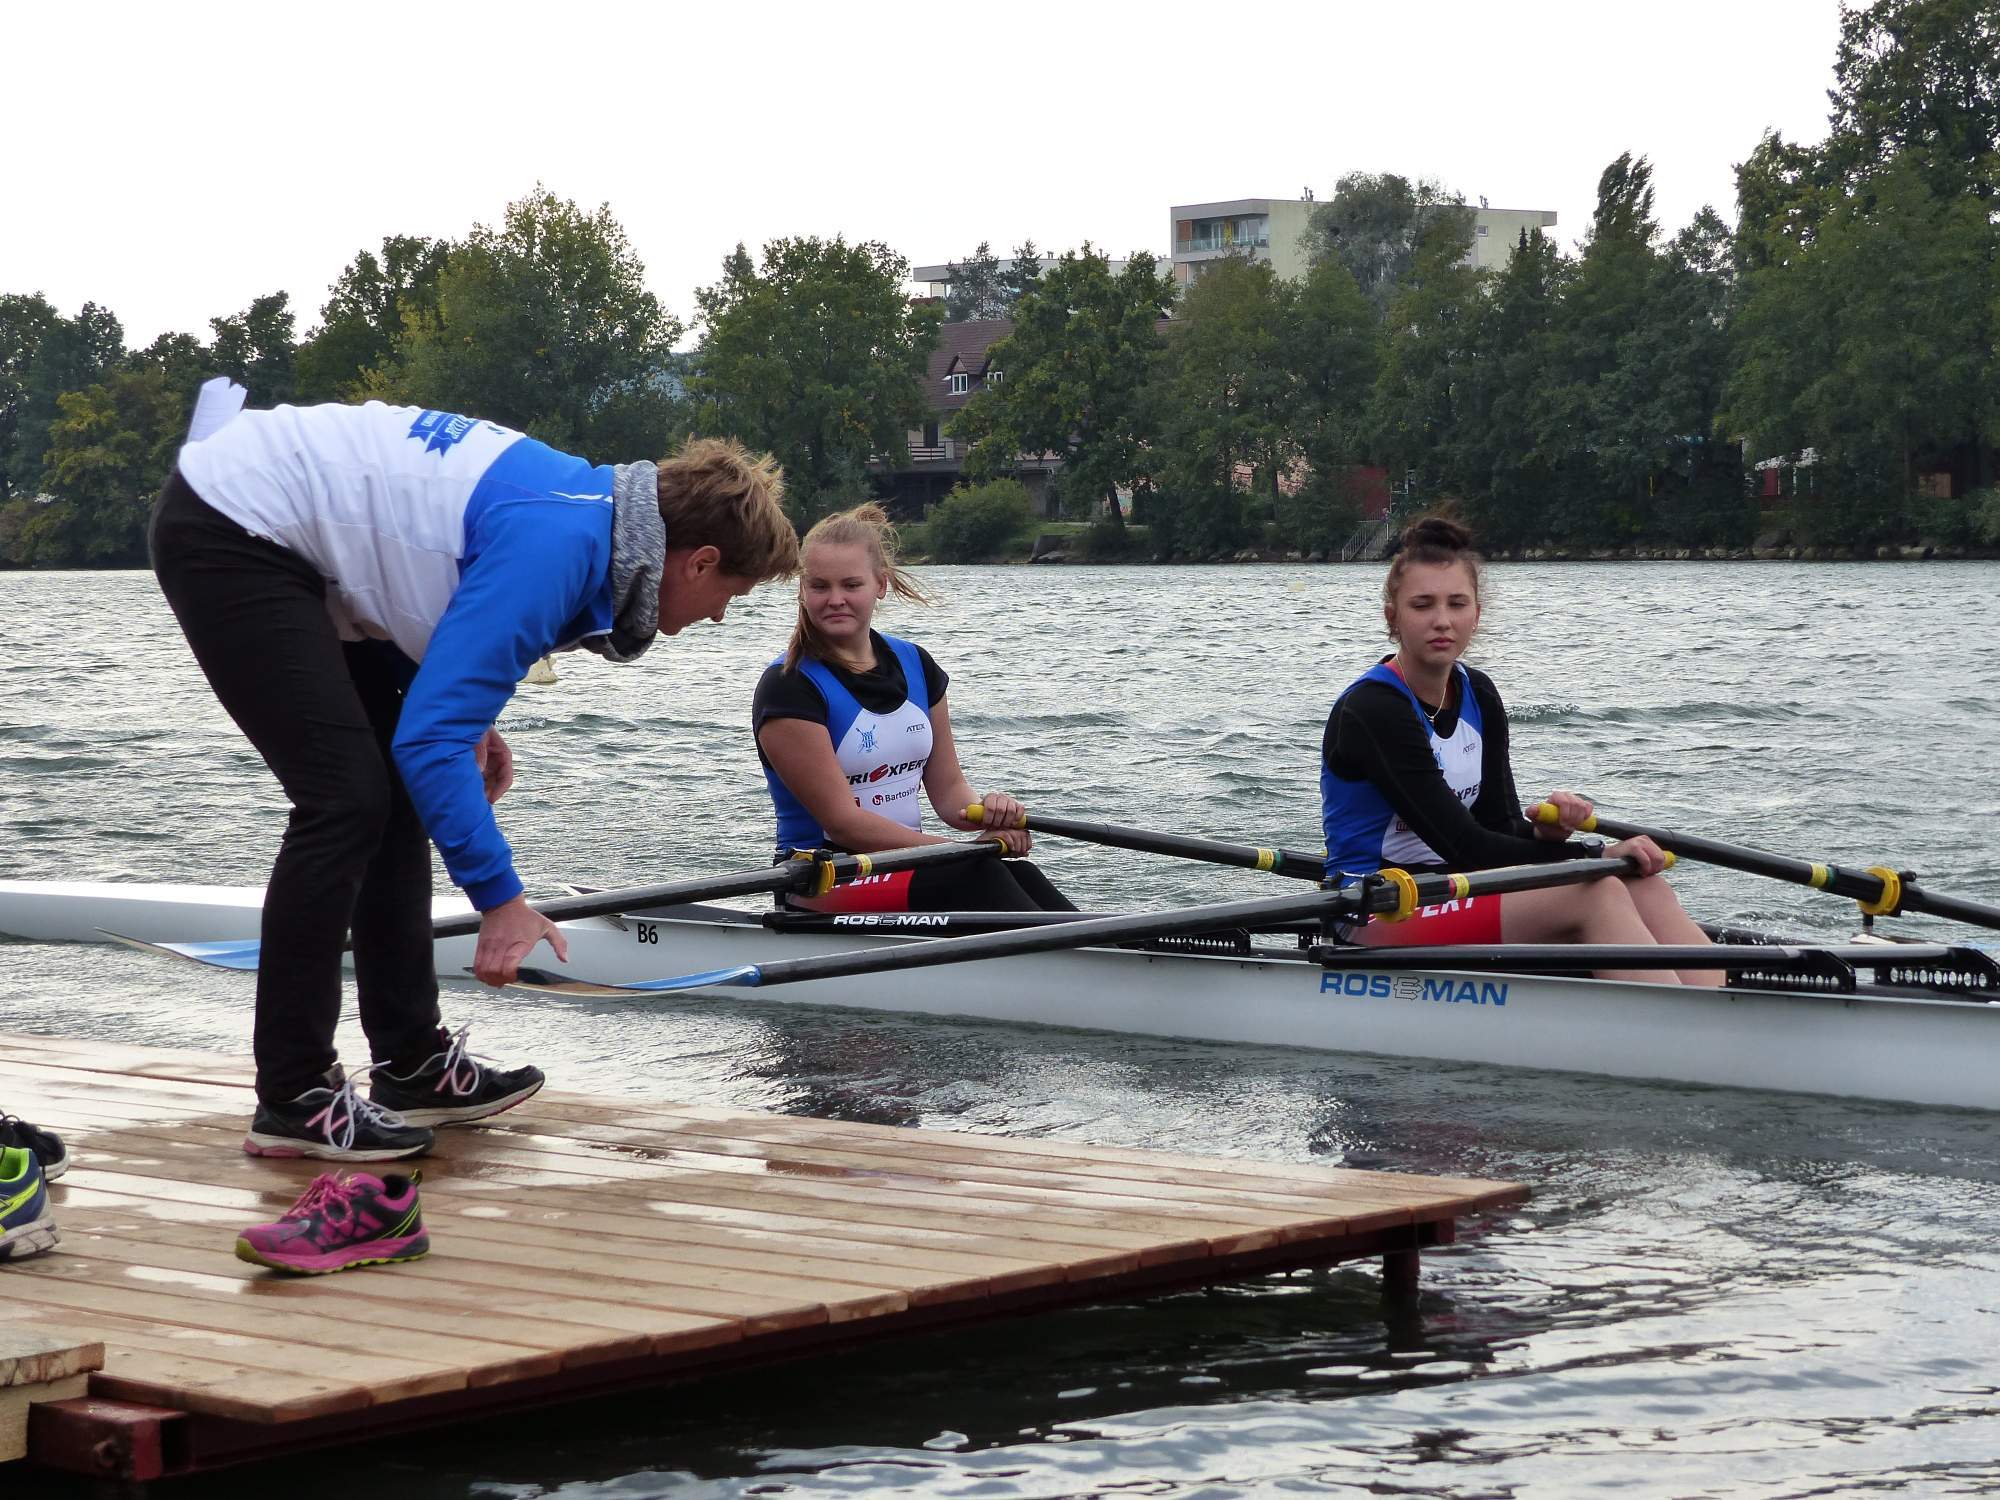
<point x="1909" y="552"/>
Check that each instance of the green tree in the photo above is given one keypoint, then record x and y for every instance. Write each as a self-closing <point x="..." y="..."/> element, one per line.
<point x="1783" y="191"/>
<point x="1077" y="368"/>
<point x="1599" y="412"/>
<point x="1329" y="346"/>
<point x="181" y="358"/>
<point x="1023" y="271"/>
<point x="544" y="323"/>
<point x="365" y="314"/>
<point x="1874" y="347"/>
<point x="1228" y="399"/>
<point x="979" y="522"/>
<point x="1416" y="411"/>
<point x="24" y="322"/>
<point x="1681" y="352"/>
<point x="110" y="448"/>
<point x="1376" y="222"/>
<point x="816" y="354"/>
<point x="256" y="348"/>
<point x="1508" y="479"/>
<point x="1919" y="81"/>
<point x="71" y="353"/>
<point x="981" y="287"/>
<point x="978" y="288"/>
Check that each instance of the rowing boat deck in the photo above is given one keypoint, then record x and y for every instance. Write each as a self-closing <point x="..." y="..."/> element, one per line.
<point x="581" y="1244"/>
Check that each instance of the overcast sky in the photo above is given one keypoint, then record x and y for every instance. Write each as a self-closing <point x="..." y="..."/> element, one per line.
<point x="174" y="161"/>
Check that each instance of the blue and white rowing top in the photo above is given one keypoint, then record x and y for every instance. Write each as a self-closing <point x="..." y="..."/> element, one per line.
<point x="1363" y="832"/>
<point x="882" y="755"/>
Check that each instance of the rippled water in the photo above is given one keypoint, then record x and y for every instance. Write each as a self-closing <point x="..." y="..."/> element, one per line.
<point x="1712" y="1292"/>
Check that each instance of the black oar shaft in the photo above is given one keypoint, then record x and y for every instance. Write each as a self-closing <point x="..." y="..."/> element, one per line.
<point x="1356" y="897"/>
<point x="1293" y="862"/>
<point x="1957" y="908"/>
<point x="1857" y="885"/>
<point x="791" y="875"/>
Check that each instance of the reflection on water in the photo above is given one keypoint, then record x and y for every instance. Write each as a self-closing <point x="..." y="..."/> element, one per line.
<point x="1712" y="1291"/>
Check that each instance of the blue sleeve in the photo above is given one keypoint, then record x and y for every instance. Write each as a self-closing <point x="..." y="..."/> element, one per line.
<point x="534" y="566"/>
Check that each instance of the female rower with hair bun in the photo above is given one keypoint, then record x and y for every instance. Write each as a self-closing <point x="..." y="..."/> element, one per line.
<point x="1414" y="772"/>
<point x="850" y="724"/>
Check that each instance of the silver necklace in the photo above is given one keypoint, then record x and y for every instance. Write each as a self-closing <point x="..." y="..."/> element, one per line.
<point x="1433" y="714"/>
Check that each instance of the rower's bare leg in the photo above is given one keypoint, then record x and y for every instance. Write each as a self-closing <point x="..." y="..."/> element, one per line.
<point x="1660" y="909"/>
<point x="1600" y="912"/>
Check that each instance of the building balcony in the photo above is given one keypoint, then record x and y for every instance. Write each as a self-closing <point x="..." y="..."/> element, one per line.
<point x="1199" y="246"/>
<point x="948" y="457"/>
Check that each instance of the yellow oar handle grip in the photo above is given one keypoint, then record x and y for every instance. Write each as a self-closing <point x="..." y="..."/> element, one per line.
<point x="974" y="811"/>
<point x="1548" y="812"/>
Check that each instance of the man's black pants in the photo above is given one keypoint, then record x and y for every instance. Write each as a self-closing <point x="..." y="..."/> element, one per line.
<point x="322" y="713"/>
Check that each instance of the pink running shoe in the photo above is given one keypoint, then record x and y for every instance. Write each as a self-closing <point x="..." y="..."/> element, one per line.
<point x="339" y="1223"/>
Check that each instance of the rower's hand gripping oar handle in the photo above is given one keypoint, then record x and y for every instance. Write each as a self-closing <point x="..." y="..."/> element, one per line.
<point x="976" y="811"/>
<point x="1549" y="813"/>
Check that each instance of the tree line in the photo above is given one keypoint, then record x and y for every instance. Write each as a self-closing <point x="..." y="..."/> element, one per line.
<point x="542" y="322"/>
<point x="1622" y="395"/>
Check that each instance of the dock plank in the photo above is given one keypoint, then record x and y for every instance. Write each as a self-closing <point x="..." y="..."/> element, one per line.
<point x="616" y="1223"/>
<point x="467" y="1165"/>
<point x="629" y="1236"/>
<point x="971" y="1254"/>
<point x="664" y="1122"/>
<point x="390" y="1304"/>
<point x="207" y="1372"/>
<point x="422" y="1362"/>
<point x="486" y="1162"/>
<point x="593" y="1306"/>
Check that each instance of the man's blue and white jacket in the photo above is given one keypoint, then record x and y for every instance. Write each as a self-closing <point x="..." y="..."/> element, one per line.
<point x="472" y="548"/>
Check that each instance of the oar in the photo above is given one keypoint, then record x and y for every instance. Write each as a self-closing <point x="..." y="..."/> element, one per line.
<point x="1389" y="893"/>
<point x="814" y="874"/>
<point x="1293" y="862"/>
<point x="1880" y="890"/>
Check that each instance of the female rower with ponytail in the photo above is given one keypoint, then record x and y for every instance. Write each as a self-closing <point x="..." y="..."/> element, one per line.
<point x="1414" y="772"/>
<point x="851" y="723"/>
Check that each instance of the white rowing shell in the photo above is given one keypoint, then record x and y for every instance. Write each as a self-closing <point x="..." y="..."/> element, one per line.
<point x="1917" y="1050"/>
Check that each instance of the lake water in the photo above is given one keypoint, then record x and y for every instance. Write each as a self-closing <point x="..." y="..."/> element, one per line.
<point x="1712" y="1292"/>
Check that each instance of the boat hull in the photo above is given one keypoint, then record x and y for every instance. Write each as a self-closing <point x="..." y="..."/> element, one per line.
<point x="1916" y="1050"/>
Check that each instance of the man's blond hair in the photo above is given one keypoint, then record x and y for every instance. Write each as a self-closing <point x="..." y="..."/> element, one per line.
<point x="715" y="493"/>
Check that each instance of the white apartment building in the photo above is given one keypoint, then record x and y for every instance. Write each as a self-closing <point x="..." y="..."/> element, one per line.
<point x="1271" y="229"/>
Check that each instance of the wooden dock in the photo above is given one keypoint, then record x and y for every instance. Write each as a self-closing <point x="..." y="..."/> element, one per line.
<point x="581" y="1245"/>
